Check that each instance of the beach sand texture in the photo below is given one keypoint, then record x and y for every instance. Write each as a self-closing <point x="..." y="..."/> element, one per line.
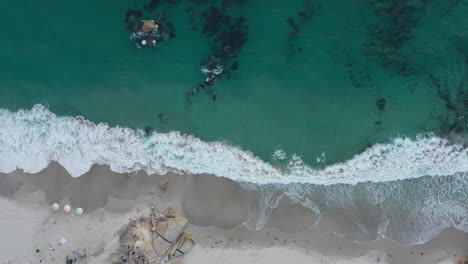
<point x="214" y="206"/>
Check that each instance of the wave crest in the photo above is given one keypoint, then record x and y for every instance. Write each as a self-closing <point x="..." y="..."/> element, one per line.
<point x="31" y="139"/>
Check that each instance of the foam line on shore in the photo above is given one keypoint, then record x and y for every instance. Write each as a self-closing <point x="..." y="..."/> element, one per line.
<point x="31" y="139"/>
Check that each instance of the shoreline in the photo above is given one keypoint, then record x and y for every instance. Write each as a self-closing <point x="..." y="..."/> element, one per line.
<point x="126" y="150"/>
<point x="210" y="205"/>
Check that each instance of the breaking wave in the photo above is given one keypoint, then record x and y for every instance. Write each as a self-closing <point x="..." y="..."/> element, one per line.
<point x="388" y="190"/>
<point x="31" y="139"/>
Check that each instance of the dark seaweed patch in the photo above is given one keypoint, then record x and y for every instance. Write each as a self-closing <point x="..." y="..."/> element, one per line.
<point x="214" y="19"/>
<point x="359" y="77"/>
<point x="309" y="10"/>
<point x="232" y="3"/>
<point x="295" y="30"/>
<point x="190" y="11"/>
<point x="200" y="1"/>
<point x="227" y="35"/>
<point x="154" y="4"/>
<point x="235" y="66"/>
<point x="303" y="16"/>
<point x="387" y="42"/>
<point x="455" y="119"/>
<point x="132" y="19"/>
<point x="165" y="25"/>
<point x="381" y="102"/>
<point x="295" y="23"/>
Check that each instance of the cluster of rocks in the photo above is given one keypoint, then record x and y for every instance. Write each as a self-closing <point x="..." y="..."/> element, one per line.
<point x="212" y="68"/>
<point x="148" y="34"/>
<point x="227" y="35"/>
<point x="158" y="238"/>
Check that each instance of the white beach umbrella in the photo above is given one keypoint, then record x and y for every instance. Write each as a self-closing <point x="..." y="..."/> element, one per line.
<point x="55" y="206"/>
<point x="67" y="208"/>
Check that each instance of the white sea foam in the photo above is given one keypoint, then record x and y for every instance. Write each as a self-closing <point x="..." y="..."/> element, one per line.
<point x="279" y="154"/>
<point x="31" y="139"/>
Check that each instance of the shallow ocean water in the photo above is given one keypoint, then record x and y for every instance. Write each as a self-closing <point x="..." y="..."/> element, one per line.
<point x="307" y="90"/>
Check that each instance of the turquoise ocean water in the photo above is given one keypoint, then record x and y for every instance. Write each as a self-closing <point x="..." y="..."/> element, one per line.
<point x="314" y="82"/>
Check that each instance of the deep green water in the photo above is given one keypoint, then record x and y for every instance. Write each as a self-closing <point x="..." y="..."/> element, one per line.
<point x="312" y="92"/>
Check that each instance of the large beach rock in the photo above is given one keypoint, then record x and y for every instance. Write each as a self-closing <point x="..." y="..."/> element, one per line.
<point x="170" y="212"/>
<point x="156" y="239"/>
<point x="183" y="245"/>
<point x="143" y="224"/>
<point x="163" y="186"/>
<point x="161" y="228"/>
<point x="187" y="243"/>
<point x="130" y="234"/>
<point x="148" y="26"/>
<point x="175" y="226"/>
<point x="160" y="245"/>
<point x="114" y="257"/>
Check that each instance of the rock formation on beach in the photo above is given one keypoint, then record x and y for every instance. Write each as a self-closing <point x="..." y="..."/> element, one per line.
<point x="156" y="239"/>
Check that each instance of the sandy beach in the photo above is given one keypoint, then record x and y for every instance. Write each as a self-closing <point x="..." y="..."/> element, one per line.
<point x="215" y="207"/>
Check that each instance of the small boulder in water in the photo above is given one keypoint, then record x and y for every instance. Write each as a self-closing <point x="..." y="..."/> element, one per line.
<point x="162" y="116"/>
<point x="381" y="104"/>
<point x="148" y="26"/>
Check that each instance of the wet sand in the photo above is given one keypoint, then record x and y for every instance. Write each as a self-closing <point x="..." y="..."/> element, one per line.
<point x="216" y="208"/>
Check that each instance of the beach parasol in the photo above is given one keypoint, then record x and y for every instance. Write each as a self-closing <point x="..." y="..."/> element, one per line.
<point x="55" y="206"/>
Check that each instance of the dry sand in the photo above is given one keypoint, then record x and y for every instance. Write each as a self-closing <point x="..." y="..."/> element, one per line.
<point x="28" y="223"/>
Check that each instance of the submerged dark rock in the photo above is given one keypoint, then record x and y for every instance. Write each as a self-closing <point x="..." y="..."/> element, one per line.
<point x="162" y="116"/>
<point x="295" y="30"/>
<point x="381" y="104"/>
<point x="150" y="36"/>
<point x="148" y="130"/>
